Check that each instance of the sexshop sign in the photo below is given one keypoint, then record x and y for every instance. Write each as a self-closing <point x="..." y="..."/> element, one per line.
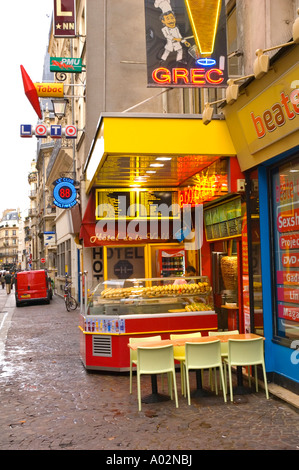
<point x="186" y="43"/>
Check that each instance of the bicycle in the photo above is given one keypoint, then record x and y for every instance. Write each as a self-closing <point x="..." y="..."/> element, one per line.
<point x="70" y="302"/>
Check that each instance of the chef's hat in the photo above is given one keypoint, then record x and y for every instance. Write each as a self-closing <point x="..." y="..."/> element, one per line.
<point x="164" y="5"/>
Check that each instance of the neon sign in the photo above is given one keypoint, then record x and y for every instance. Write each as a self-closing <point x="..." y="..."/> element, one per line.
<point x="208" y="188"/>
<point x="182" y="76"/>
<point x="204" y="19"/>
<point x="186" y="43"/>
<point x="65" y="193"/>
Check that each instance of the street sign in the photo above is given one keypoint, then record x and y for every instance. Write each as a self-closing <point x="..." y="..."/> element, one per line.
<point x="43" y="260"/>
<point x="65" y="64"/>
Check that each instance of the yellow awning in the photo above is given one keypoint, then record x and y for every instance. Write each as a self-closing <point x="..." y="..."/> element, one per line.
<point x="153" y="150"/>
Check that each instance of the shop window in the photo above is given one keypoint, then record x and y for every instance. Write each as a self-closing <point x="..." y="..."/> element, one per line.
<point x="285" y="246"/>
<point x="251" y="252"/>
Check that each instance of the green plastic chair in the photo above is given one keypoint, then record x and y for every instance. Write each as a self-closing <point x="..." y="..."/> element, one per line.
<point x="133" y="354"/>
<point x="203" y="356"/>
<point x="156" y="360"/>
<point x="246" y="352"/>
<point x="179" y="354"/>
<point x="224" y="348"/>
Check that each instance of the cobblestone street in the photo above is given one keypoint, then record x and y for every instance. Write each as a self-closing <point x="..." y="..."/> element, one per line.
<point x="50" y="402"/>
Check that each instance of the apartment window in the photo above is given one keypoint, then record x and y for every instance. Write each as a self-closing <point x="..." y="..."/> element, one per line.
<point x="64" y="264"/>
<point x="234" y="61"/>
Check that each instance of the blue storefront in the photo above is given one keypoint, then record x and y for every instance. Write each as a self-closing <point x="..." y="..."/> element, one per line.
<point x="264" y="126"/>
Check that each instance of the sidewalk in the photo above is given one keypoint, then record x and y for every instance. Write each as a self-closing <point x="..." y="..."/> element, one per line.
<point x="50" y="402"/>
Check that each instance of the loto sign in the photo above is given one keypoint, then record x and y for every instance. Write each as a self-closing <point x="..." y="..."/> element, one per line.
<point x="41" y="131"/>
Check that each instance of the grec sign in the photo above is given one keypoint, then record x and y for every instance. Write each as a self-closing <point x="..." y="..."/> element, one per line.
<point x="65" y="64"/>
<point x="273" y="114"/>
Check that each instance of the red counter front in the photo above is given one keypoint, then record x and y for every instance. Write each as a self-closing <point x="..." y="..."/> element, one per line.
<point x="108" y="350"/>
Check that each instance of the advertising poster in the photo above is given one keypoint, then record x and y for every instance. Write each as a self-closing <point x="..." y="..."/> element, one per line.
<point x="186" y="43"/>
<point x="286" y="245"/>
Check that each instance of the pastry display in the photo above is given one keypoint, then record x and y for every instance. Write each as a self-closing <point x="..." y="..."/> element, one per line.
<point x="157" y="291"/>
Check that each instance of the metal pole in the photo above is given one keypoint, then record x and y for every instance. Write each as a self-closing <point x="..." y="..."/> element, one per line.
<point x="85" y="293"/>
<point x="81" y="294"/>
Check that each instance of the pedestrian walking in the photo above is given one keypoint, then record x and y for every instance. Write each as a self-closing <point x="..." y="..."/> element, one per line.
<point x="8" y="282"/>
<point x="2" y="279"/>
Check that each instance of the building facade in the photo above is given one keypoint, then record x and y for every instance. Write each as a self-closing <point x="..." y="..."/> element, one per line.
<point x="122" y="122"/>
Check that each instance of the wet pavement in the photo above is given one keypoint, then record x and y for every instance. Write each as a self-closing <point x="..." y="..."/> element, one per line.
<point x="50" y="402"/>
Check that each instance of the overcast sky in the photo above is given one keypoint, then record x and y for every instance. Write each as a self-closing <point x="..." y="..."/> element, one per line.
<point x="25" y="30"/>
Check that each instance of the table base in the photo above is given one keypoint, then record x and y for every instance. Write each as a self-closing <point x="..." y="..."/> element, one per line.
<point x="155" y="398"/>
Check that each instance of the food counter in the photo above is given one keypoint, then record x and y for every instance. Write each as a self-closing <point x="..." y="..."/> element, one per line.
<point x="120" y="309"/>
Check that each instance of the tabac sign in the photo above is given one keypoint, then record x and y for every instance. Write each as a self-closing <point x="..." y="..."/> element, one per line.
<point x="64" y="24"/>
<point x="186" y="43"/>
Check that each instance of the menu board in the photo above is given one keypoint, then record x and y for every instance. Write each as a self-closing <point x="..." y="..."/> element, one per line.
<point x="285" y="197"/>
<point x="144" y="204"/>
<point x="159" y="204"/>
<point x="223" y="220"/>
<point x="115" y="204"/>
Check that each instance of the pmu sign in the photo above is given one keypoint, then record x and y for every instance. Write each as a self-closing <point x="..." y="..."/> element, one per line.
<point x="42" y="132"/>
<point x="65" y="64"/>
<point x="64" y="24"/>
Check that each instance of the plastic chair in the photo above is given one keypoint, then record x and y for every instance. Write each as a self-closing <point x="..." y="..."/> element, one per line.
<point x="133" y="354"/>
<point x="179" y="353"/>
<point x="224" y="346"/>
<point x="246" y="352"/>
<point x="156" y="360"/>
<point x="203" y="356"/>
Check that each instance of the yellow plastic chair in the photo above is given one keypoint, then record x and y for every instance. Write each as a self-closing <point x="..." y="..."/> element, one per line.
<point x="156" y="360"/>
<point x="133" y="354"/>
<point x="179" y="353"/>
<point x="246" y="352"/>
<point x="203" y="356"/>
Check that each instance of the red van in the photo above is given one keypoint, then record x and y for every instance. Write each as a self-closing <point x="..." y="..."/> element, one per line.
<point x="32" y="286"/>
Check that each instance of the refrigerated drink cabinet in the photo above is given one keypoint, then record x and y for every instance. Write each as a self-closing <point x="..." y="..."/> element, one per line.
<point x="122" y="309"/>
<point x="171" y="262"/>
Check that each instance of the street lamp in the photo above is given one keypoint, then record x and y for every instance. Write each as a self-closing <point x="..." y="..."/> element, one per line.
<point x="59" y="107"/>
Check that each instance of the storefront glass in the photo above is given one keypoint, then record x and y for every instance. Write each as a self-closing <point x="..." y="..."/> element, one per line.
<point x="251" y="256"/>
<point x="285" y="229"/>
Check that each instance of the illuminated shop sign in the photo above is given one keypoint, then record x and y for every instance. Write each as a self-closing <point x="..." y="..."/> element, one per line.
<point x="65" y="64"/>
<point x="208" y="188"/>
<point x="41" y="131"/>
<point x="65" y="193"/>
<point x="186" y="43"/>
<point x="64" y="24"/>
<point x="46" y="90"/>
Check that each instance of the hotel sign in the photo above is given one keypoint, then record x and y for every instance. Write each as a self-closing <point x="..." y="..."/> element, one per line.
<point x="64" y="24"/>
<point x="186" y="43"/>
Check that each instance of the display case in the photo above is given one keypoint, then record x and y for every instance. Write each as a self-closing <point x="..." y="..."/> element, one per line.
<point x="119" y="309"/>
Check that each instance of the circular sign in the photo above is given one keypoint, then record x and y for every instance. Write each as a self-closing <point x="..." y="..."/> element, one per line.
<point x="65" y="194"/>
<point x="43" y="260"/>
<point x="41" y="130"/>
